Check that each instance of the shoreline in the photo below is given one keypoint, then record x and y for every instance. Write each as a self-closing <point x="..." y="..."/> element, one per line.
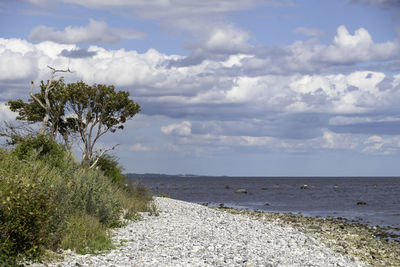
<point x="371" y="244"/>
<point x="381" y="231"/>
<point x="187" y="234"/>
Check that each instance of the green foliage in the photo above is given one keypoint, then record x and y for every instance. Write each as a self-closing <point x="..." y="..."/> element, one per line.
<point x="32" y="111"/>
<point x="162" y="194"/>
<point x="95" y="194"/>
<point x="41" y="146"/>
<point x="85" y="234"/>
<point x="110" y="166"/>
<point x="98" y="109"/>
<point x="136" y="198"/>
<point x="100" y="103"/>
<point x="79" y="109"/>
<point x="40" y="202"/>
<point x="26" y="213"/>
<point x="47" y="199"/>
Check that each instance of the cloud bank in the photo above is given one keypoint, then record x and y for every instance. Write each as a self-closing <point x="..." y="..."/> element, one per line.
<point x="293" y="98"/>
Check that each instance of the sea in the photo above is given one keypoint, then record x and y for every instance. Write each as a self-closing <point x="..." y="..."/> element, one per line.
<point x="368" y="200"/>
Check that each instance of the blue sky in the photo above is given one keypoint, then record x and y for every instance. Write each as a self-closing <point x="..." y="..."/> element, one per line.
<point x="249" y="87"/>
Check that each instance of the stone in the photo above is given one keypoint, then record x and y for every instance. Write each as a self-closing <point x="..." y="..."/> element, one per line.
<point x="188" y="234"/>
<point x="241" y="191"/>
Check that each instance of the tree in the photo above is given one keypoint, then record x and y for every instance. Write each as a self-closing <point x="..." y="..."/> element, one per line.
<point x="98" y="109"/>
<point x="77" y="109"/>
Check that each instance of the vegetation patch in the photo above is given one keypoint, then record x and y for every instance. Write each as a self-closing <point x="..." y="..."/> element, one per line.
<point x="50" y="201"/>
<point x="85" y="234"/>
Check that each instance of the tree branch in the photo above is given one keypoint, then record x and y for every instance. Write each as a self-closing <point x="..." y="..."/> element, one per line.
<point x="101" y="154"/>
<point x="34" y="97"/>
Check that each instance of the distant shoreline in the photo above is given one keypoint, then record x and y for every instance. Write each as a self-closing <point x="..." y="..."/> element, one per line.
<point x="160" y="175"/>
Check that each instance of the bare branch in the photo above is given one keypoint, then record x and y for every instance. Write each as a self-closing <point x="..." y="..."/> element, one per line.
<point x="101" y="154"/>
<point x="56" y="70"/>
<point x="47" y="106"/>
<point x="15" y="132"/>
<point x="34" y="97"/>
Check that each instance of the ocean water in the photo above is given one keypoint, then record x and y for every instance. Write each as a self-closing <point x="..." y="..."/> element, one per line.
<point x="325" y="196"/>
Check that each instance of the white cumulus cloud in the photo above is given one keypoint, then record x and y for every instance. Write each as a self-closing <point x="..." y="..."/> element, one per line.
<point x="218" y="102"/>
<point x="181" y="129"/>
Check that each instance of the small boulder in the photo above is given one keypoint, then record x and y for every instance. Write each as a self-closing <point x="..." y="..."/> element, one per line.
<point x="241" y="191"/>
<point x="266" y="204"/>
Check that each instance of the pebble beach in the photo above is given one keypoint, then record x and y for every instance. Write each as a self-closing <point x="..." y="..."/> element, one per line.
<point x="187" y="234"/>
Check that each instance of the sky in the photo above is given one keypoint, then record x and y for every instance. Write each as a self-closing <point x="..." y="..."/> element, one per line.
<point x="227" y="87"/>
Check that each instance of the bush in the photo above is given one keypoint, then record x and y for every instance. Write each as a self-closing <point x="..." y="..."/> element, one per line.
<point x="47" y="200"/>
<point x="92" y="192"/>
<point x="26" y="214"/>
<point x="110" y="166"/>
<point x="43" y="147"/>
<point x="136" y="198"/>
<point x="37" y="201"/>
<point x="85" y="234"/>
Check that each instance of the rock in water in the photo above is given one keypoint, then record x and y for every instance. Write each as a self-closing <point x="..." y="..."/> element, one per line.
<point x="241" y="191"/>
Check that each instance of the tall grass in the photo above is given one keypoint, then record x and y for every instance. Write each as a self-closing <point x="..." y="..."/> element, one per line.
<point x="48" y="201"/>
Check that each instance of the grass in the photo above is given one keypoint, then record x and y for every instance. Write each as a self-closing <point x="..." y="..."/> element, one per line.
<point x="85" y="234"/>
<point x="49" y="201"/>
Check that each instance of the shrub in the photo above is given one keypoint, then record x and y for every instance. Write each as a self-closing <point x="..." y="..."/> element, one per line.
<point x="95" y="194"/>
<point x="37" y="199"/>
<point x="48" y="200"/>
<point x="85" y="234"/>
<point x="43" y="147"/>
<point x="110" y="166"/>
<point x="26" y="214"/>
<point x="136" y="198"/>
